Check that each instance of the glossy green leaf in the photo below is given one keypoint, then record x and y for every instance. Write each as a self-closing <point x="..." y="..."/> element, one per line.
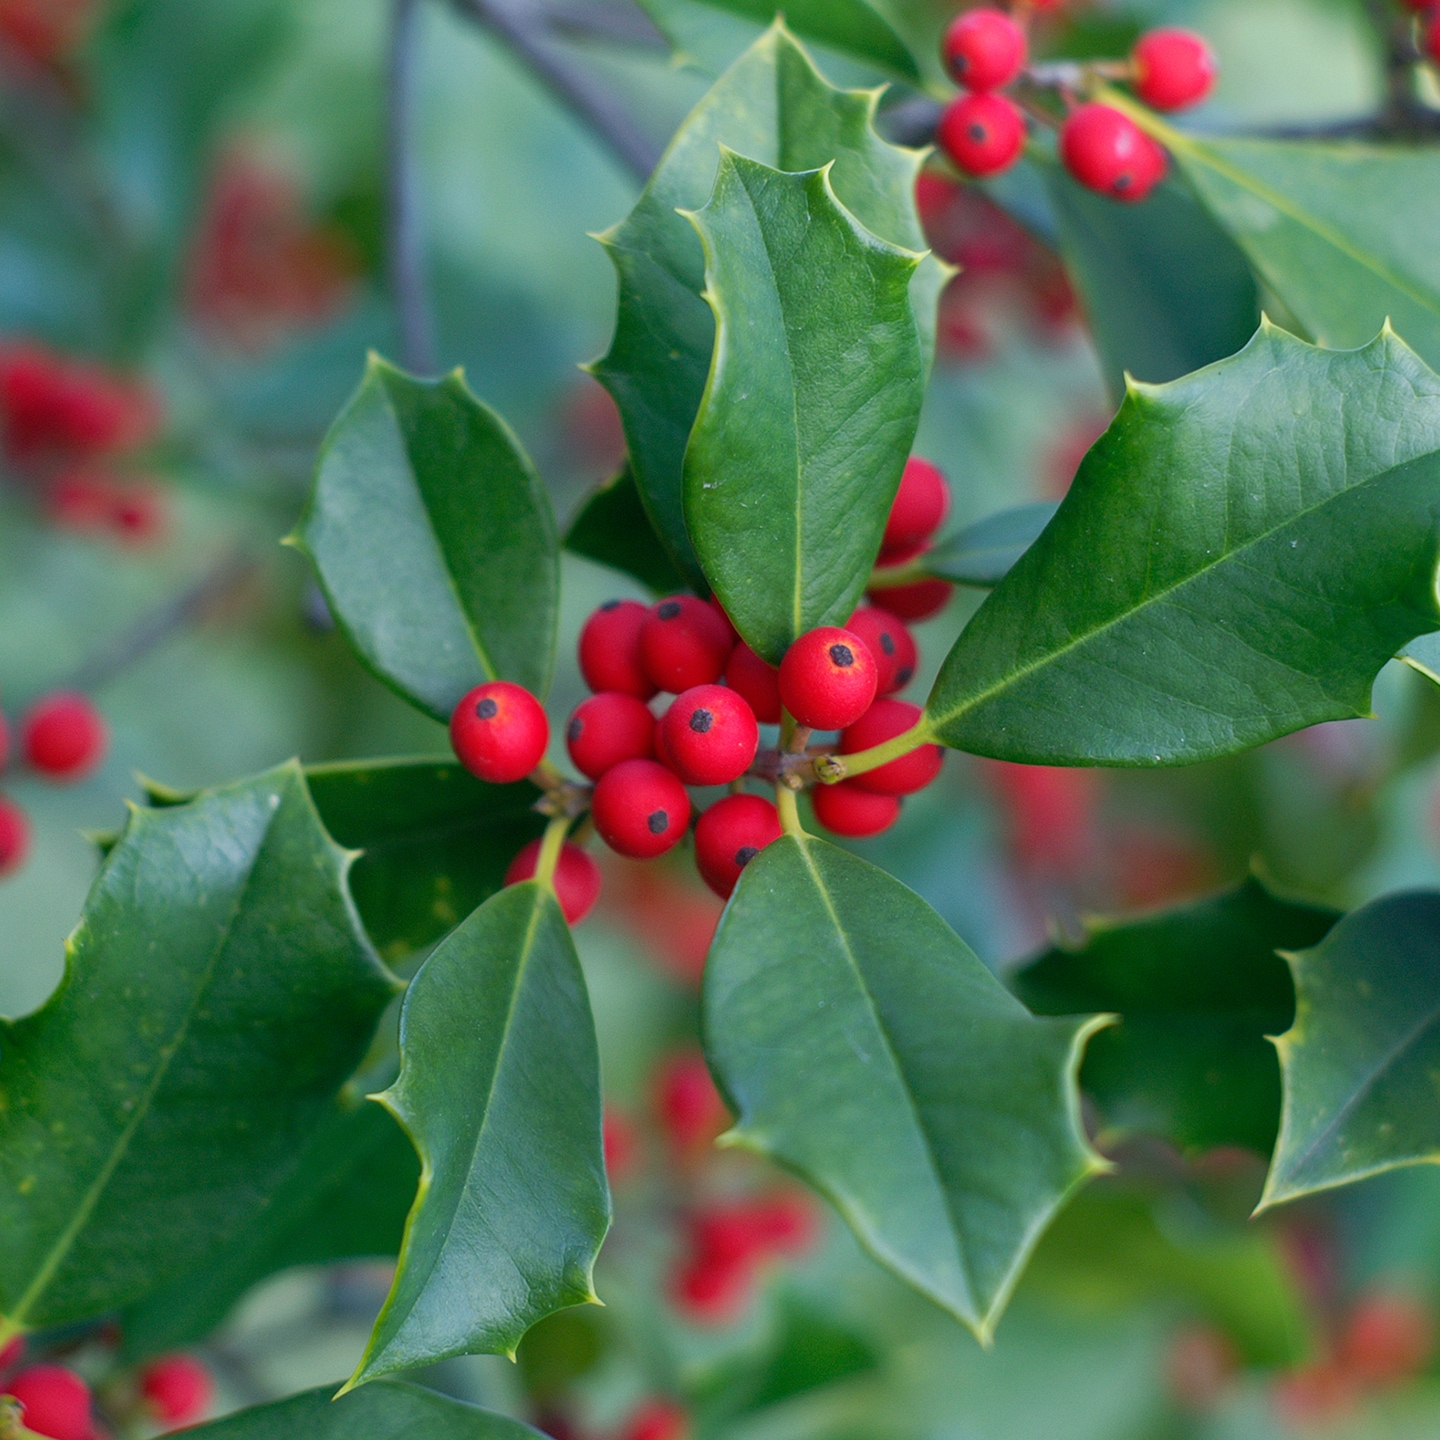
<point x="500" y="1090"/>
<point x="775" y="107"/>
<point x="1198" y="989"/>
<point x="389" y="1410"/>
<point x="434" y="540"/>
<point x="984" y="553"/>
<point x="1240" y="554"/>
<point x="611" y="527"/>
<point x="863" y="1044"/>
<point x="1166" y="291"/>
<point x="1360" y="1062"/>
<point x="218" y="992"/>
<point x="812" y="404"/>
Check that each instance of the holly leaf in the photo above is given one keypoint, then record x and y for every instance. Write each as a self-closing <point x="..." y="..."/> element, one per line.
<point x="388" y="1410"/>
<point x="984" y="553"/>
<point x="1359" y="1063"/>
<point x="499" y="1089"/>
<point x="433" y="540"/>
<point x="772" y="105"/>
<point x="612" y="528"/>
<point x="146" y="1118"/>
<point x="812" y="404"/>
<point x="1240" y="554"/>
<point x="1198" y="989"/>
<point x="863" y="1045"/>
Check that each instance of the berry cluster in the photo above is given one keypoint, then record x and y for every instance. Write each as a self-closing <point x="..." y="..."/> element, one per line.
<point x="983" y="131"/>
<point x="62" y="738"/>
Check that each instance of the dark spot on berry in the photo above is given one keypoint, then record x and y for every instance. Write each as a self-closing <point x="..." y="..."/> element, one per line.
<point x="745" y="854"/>
<point x="842" y="655"/>
<point x="887" y="642"/>
<point x="669" y="610"/>
<point x="611" y="605"/>
<point x="701" y="721"/>
<point x="1122" y="183"/>
<point x="574" y="729"/>
<point x="487" y="709"/>
<point x="904" y="675"/>
<point x="977" y="133"/>
<point x="658" y="821"/>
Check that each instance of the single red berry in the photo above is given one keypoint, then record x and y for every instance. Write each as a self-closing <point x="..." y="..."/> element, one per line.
<point x="1432" y="39"/>
<point x="656" y="1420"/>
<point x="748" y="675"/>
<point x="710" y="735"/>
<point x="577" y="878"/>
<point x="883" y="721"/>
<point x="179" y="1389"/>
<point x="640" y="809"/>
<point x="14" y="837"/>
<point x="500" y="732"/>
<point x="921" y="505"/>
<point x="621" y="1142"/>
<point x="687" y="1104"/>
<point x="1388" y="1338"/>
<point x="56" y="1401"/>
<point x="733" y="1234"/>
<point x="1107" y="152"/>
<point x="845" y="809"/>
<point x="1173" y="68"/>
<point x="64" y="736"/>
<point x="890" y="642"/>
<point x="719" y="609"/>
<point x="917" y="601"/>
<point x="684" y="643"/>
<point x="731" y="833"/>
<point x="711" y="1292"/>
<point x="608" y="728"/>
<point x="982" y="134"/>
<point x="785" y="1223"/>
<point x="984" y="49"/>
<point x="828" y="678"/>
<point x="610" y="649"/>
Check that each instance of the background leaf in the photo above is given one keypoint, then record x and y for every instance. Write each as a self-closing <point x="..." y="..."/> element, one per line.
<point x="811" y="407"/>
<point x="147" y="1117"/>
<point x="864" y="1045"/>
<point x="500" y="1089"/>
<point x="984" y="553"/>
<point x="611" y="527"/>
<point x="434" y="541"/>
<point x="1239" y="555"/>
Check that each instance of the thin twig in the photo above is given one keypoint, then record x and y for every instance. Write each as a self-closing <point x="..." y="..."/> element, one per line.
<point x="615" y="22"/>
<point x="406" y="237"/>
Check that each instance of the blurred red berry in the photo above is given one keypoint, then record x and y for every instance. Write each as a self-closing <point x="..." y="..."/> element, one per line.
<point x="622" y="1144"/>
<point x="1201" y="1364"/>
<point x="1051" y="814"/>
<point x="610" y="649"/>
<point x="916" y="601"/>
<point x="1431" y="39"/>
<point x="64" y="737"/>
<point x="13" y="1353"/>
<point x="656" y="1420"/>
<point x="577" y="877"/>
<point x="178" y="1388"/>
<point x="1316" y="1394"/>
<point x="14" y="837"/>
<point x="982" y="134"/>
<point x="608" y="728"/>
<point x="711" y="1292"/>
<point x="984" y="49"/>
<point x="1388" y="1338"/>
<point x="44" y="31"/>
<point x="731" y="833"/>
<point x="883" y="721"/>
<point x="786" y="1223"/>
<point x="1173" y="68"/>
<point x="687" y="1104"/>
<point x="749" y="676"/>
<point x="684" y="643"/>
<point x="56" y="1401"/>
<point x="846" y="809"/>
<point x="499" y="732"/>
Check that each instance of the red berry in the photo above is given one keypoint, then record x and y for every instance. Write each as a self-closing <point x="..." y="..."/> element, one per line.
<point x="921" y="505"/>
<point x="577" y="878"/>
<point x="500" y="732"/>
<point x="640" y="809"/>
<point x="1432" y="39"/>
<point x="719" y="609"/>
<point x="711" y="1292"/>
<point x="64" y="737"/>
<point x="179" y="1388"/>
<point x="608" y="728"/>
<point x="982" y="134"/>
<point x="610" y="649"/>
<point x="656" y="1420"/>
<point x="845" y="809"/>
<point x="13" y="1353"/>
<point x="890" y="642"/>
<point x="884" y="720"/>
<point x="828" y="678"/>
<point x="917" y="601"/>
<point x="1173" y="69"/>
<point x="984" y="49"/>
<point x="14" y="837"/>
<point x="687" y="1104"/>
<point x="748" y="675"/>
<point x="1388" y="1338"/>
<point x="731" y="833"/>
<point x="785" y="1223"/>
<point x="56" y="1401"/>
<point x="684" y="643"/>
<point x="710" y="735"/>
<point x="621" y="1142"/>
<point x="1106" y="151"/>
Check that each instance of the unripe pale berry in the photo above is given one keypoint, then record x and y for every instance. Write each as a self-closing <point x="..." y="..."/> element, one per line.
<point x="984" y="49"/>
<point x="577" y="878"/>
<point x="687" y="1104"/>
<point x="921" y="505"/>
<point x="710" y="735"/>
<point x="1107" y="152"/>
<point x="56" y="1401"/>
<point x="749" y="676"/>
<point x="610" y="649"/>
<point x="828" y="678"/>
<point x="1173" y="69"/>
<point x="917" y="601"/>
<point x="500" y="732"/>
<point x="890" y="642"/>
<point x="640" y="809"/>
<point x="845" y="809"/>
<point x="982" y="134"/>
<point x="731" y="833"/>
<point x="883" y="721"/>
<point x="178" y="1388"/>
<point x="684" y="643"/>
<point x="608" y="728"/>
<point x="14" y="837"/>
<point x="64" y="737"/>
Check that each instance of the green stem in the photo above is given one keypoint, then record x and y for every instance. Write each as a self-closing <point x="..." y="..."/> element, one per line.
<point x="9" y="1330"/>
<point x="789" y="811"/>
<point x="550" y="851"/>
<point x="830" y="768"/>
<point x="886" y="577"/>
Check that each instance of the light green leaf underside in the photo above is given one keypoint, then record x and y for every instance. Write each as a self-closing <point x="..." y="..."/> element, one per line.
<point x="1423" y="654"/>
<point x="864" y="1045"/>
<point x="983" y="554"/>
<point x="1239" y="555"/>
